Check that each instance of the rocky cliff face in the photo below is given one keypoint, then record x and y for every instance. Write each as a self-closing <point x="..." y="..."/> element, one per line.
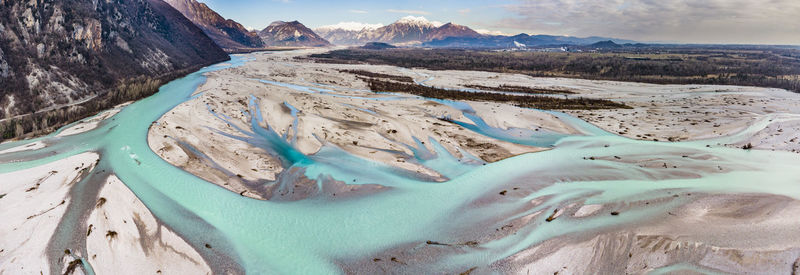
<point x="291" y="34"/>
<point x="227" y="33"/>
<point x="64" y="52"/>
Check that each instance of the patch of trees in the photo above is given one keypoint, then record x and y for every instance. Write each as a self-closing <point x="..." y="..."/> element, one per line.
<point x="760" y="66"/>
<point x="532" y="101"/>
<point x="520" y="89"/>
<point x="397" y="78"/>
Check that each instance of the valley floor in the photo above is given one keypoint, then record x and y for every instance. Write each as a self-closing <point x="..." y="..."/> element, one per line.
<point x="334" y="107"/>
<point x="409" y="184"/>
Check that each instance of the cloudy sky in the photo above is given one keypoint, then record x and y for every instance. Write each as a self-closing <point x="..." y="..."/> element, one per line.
<point x="685" y="21"/>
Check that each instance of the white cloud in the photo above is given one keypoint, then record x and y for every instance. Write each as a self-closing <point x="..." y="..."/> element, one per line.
<point x="417" y="12"/>
<point x="358" y="11"/>
<point x="490" y="32"/>
<point x="464" y="11"/>
<point x="695" y="21"/>
<point x="352" y="26"/>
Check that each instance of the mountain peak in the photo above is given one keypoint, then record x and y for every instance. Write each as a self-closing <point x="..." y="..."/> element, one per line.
<point x="291" y="34"/>
<point x="451" y="30"/>
<point x="276" y="23"/>
<point x="605" y="44"/>
<point x="418" y="21"/>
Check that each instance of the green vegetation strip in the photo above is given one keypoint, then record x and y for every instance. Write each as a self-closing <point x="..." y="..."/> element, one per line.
<point x="519" y="89"/>
<point x="41" y="123"/>
<point x="398" y="78"/>
<point x="537" y="102"/>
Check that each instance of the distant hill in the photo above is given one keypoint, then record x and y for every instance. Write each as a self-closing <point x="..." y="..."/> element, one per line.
<point x="291" y="34"/>
<point x="377" y="46"/>
<point x="228" y="34"/>
<point x="608" y="44"/>
<point x="516" y="41"/>
<point x="451" y="30"/>
<point x="62" y="52"/>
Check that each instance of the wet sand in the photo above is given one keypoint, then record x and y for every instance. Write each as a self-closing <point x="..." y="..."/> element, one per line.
<point x="349" y="117"/>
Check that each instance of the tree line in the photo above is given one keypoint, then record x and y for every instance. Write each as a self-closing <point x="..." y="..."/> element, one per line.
<point x="526" y="101"/>
<point x="45" y="122"/>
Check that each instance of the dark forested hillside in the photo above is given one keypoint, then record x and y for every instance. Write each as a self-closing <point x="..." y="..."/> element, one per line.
<point x="60" y="53"/>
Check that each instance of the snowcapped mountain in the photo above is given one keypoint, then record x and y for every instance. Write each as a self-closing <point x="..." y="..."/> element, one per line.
<point x="408" y="30"/>
<point x="347" y="33"/>
<point x="291" y="34"/>
<point x="350" y="26"/>
<point x="418" y="22"/>
<point x="413" y="30"/>
<point x="227" y="33"/>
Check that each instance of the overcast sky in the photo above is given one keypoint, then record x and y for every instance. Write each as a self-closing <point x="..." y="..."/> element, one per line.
<point x="685" y="21"/>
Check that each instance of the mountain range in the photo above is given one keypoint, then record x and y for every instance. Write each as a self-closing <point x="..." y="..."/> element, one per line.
<point x="63" y="52"/>
<point x="408" y="30"/>
<point x="517" y="41"/>
<point x="411" y="30"/>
